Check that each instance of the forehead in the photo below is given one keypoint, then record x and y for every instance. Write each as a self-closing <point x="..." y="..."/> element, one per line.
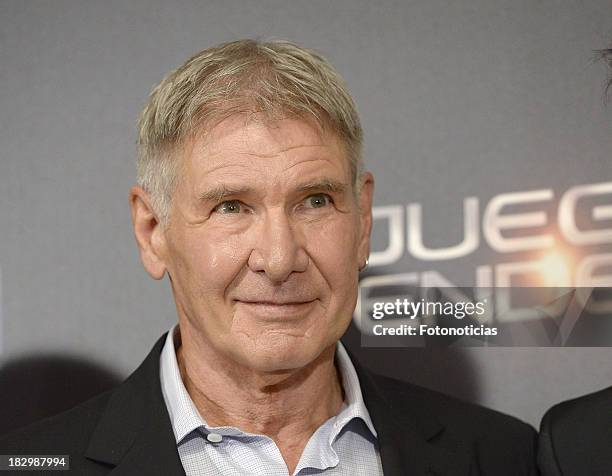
<point x="254" y="141"/>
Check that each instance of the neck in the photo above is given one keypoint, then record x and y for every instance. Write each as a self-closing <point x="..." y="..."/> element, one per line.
<point x="286" y="406"/>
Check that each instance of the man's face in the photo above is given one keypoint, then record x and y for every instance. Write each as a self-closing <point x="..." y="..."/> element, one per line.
<point x="264" y="241"/>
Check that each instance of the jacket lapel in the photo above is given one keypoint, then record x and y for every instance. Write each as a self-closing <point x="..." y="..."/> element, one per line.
<point x="407" y="431"/>
<point x="134" y="433"/>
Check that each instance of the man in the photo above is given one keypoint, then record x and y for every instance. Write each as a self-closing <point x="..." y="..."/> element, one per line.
<point x="576" y="435"/>
<point x="252" y="197"/>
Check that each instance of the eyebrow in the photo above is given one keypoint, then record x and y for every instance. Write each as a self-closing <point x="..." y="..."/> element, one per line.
<point x="223" y="191"/>
<point x="326" y="185"/>
<point x="220" y="192"/>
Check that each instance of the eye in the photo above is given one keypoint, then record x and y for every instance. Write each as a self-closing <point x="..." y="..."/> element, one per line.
<point x="318" y="200"/>
<point x="229" y="206"/>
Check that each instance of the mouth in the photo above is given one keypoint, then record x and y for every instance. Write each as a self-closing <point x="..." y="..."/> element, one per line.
<point x="276" y="303"/>
<point x="277" y="309"/>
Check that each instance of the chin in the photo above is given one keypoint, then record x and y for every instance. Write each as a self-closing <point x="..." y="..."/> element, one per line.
<point x="281" y="354"/>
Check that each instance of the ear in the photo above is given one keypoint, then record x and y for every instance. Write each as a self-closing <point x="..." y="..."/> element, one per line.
<point x="365" y="218"/>
<point x="148" y="232"/>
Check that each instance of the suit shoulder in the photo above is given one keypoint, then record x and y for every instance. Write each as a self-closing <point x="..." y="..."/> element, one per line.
<point x="480" y="421"/>
<point x="588" y="411"/>
<point x="575" y="435"/>
<point x="497" y="443"/>
<point x="67" y="430"/>
<point x="578" y="408"/>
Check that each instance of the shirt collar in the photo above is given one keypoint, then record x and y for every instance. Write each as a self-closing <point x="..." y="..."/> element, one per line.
<point x="183" y="413"/>
<point x="353" y="399"/>
<point x="185" y="417"/>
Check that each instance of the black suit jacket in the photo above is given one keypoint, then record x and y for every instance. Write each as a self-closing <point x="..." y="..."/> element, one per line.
<point x="127" y="431"/>
<point x="576" y="437"/>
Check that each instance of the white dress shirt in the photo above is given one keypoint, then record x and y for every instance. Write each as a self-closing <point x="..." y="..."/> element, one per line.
<point x="344" y="445"/>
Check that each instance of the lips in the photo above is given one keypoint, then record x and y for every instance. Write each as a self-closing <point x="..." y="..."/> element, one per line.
<point x="278" y="311"/>
<point x="276" y="303"/>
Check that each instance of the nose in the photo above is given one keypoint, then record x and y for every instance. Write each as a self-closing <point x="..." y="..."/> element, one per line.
<point x="279" y="248"/>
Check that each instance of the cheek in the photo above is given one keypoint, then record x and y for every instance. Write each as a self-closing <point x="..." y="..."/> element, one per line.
<point x="211" y="263"/>
<point x="334" y="251"/>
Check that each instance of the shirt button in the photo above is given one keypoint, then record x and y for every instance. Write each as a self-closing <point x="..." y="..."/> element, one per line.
<point x="214" y="437"/>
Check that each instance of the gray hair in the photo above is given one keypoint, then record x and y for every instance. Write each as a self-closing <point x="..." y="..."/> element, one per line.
<point x="278" y="78"/>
